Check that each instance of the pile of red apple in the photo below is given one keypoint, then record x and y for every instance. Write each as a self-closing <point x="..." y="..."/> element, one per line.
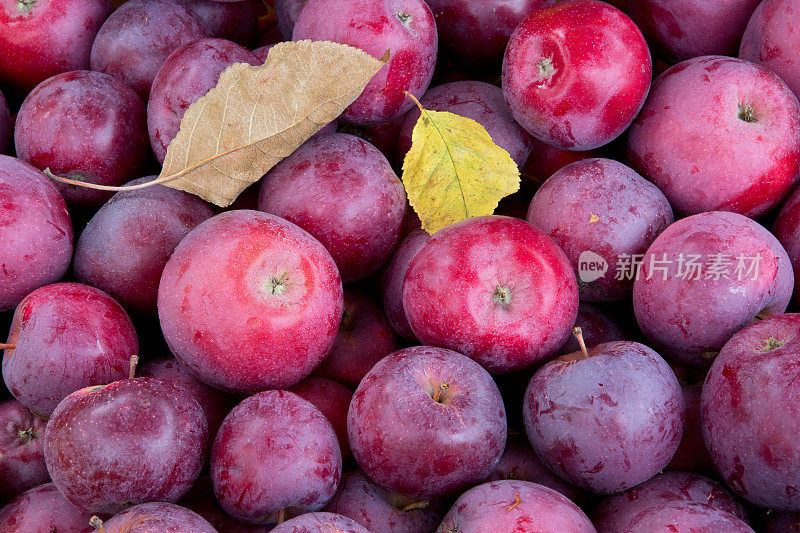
<point x="310" y="360"/>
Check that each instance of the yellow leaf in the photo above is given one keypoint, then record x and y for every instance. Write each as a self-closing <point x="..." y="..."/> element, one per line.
<point x="454" y="170"/>
<point x="258" y="115"/>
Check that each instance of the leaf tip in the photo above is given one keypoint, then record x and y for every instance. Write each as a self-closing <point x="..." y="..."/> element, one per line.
<point x="387" y="55"/>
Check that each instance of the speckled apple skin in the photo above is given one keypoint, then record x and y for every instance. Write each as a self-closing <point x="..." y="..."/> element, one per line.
<point x="750" y="413"/>
<point x="378" y="509"/>
<point x="692" y="454"/>
<point x="607" y="422"/>
<point x="219" y="316"/>
<point x="43" y="509"/>
<point x="320" y="523"/>
<point x="601" y="206"/>
<point x="771" y="40"/>
<point x="376" y="26"/>
<point x="67" y="336"/>
<point x="691" y="142"/>
<point x="133" y="441"/>
<point x="601" y="71"/>
<point x="21" y="454"/>
<point x="333" y="400"/>
<point x="409" y="443"/>
<point x="616" y="512"/>
<point x="343" y="191"/>
<point x="682" y="29"/>
<point x="158" y="516"/>
<point x="690" y="320"/>
<point x="274" y="450"/>
<point x="514" y="506"/>
<point x="688" y="517"/>
<point x="35" y="229"/>
<point x="449" y="289"/>
<point x="787" y="230"/>
<point x="392" y="277"/>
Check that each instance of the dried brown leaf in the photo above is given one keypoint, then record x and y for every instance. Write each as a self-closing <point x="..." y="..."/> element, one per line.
<point x="256" y="116"/>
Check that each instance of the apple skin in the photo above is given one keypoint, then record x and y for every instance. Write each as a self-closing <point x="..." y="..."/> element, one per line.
<point x="378" y="509"/>
<point x="478" y="32"/>
<point x="751" y="421"/>
<point x="682" y="29"/>
<point x="514" y="506"/>
<point x="688" y="517"/>
<point x="689" y="320"/>
<point x="87" y="126"/>
<point x="35" y="229"/>
<point x="43" y="509"/>
<point x="333" y="400"/>
<point x="320" y="523"/>
<point x="770" y="40"/>
<point x="575" y="74"/>
<point x="58" y="353"/>
<point x="6" y="125"/>
<point x="265" y="446"/>
<point x="787" y="231"/>
<point x="392" y="277"/>
<point x="343" y="191"/>
<point x="619" y="430"/>
<point x="407" y="441"/>
<point x="47" y="37"/>
<point x="480" y="101"/>
<point x="139" y="36"/>
<point x="157" y="516"/>
<point x="365" y="337"/>
<point x="786" y="522"/>
<point x="286" y="13"/>
<point x="235" y="21"/>
<point x="718" y="134"/>
<point x="202" y="501"/>
<point x="494" y="288"/>
<point x="692" y="454"/>
<point x="404" y="27"/>
<point x="604" y="207"/>
<point x="220" y="317"/>
<point x="132" y="441"/>
<point x="545" y="160"/>
<point x="21" y="449"/>
<point x="616" y="512"/>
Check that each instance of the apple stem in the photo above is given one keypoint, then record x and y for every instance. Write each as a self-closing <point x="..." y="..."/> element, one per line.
<point x="96" y="523"/>
<point x="578" y="332"/>
<point x="517" y="501"/>
<point x="437" y="394"/>
<point x="134" y="362"/>
<point x="7" y="346"/>
<point x="420" y="504"/>
<point x="282" y="515"/>
<point x="112" y="188"/>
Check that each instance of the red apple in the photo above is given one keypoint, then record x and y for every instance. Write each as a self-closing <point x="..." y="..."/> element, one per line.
<point x="495" y="288"/>
<point x="21" y="456"/>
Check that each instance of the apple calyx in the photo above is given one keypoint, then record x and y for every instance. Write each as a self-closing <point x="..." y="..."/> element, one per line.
<point x="710" y="355"/>
<point x="767" y="345"/>
<point x="546" y="68"/>
<point x="747" y="113"/>
<point x="502" y="296"/>
<point x="277" y="285"/>
<point x="405" y="19"/>
<point x="438" y="393"/>
<point x="97" y="524"/>
<point x="27" y="435"/>
<point x="419" y="504"/>
<point x="24" y="6"/>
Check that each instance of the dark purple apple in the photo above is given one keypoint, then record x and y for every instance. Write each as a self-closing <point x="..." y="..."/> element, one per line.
<point x="392" y="277"/>
<point x="235" y="21"/>
<point x="6" y="125"/>
<point x="249" y="301"/>
<point x="333" y="400"/>
<point x="139" y="36"/>
<point x="692" y="454"/>
<point x="378" y="509"/>
<point x="35" y="229"/>
<point x="43" y="509"/>
<point x="705" y="278"/>
<point x="718" y="134"/>
<point x="134" y="441"/>
<point x="426" y="422"/>
<point x="66" y="336"/>
<point x="599" y="211"/>
<point x="514" y="506"/>
<point x="616" y="513"/>
<point x="202" y="501"/>
<point x="685" y="517"/>
<point x="787" y="230"/>
<point x="605" y="419"/>
<point x="320" y="523"/>
<point x="365" y="337"/>
<point x="598" y="325"/>
<point x="494" y="288"/>
<point x="21" y="449"/>
<point x="157" y="516"/>
<point x="275" y="454"/>
<point x="751" y="419"/>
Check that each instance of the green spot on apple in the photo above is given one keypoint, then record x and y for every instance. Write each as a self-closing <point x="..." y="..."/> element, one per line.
<point x="27" y="435"/>
<point x="546" y="68"/>
<point x="767" y="345"/>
